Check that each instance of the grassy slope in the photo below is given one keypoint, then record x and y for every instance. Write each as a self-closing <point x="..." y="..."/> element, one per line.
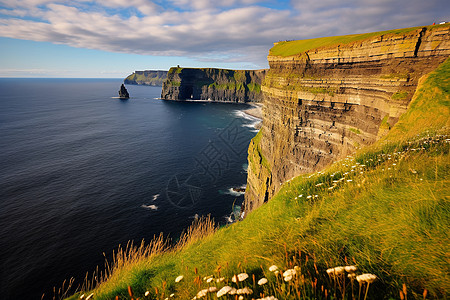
<point x="289" y="48"/>
<point x="389" y="215"/>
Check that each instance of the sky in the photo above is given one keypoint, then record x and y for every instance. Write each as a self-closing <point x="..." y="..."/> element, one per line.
<point x="113" y="38"/>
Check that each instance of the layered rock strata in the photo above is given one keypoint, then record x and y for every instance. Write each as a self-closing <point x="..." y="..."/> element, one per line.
<point x="322" y="104"/>
<point x="147" y="77"/>
<point x="213" y="85"/>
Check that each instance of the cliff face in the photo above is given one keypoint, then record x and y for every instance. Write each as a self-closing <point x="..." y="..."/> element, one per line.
<point x="148" y="77"/>
<point x="322" y="104"/>
<point x="213" y="84"/>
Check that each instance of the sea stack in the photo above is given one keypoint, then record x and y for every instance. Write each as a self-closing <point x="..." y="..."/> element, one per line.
<point x="123" y="93"/>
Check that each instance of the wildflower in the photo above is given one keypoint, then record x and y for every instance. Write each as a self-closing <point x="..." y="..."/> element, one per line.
<point x="309" y="197"/>
<point x="262" y="281"/>
<point x="172" y="295"/>
<point x="90" y="296"/>
<point x="273" y="268"/>
<point x="352" y="275"/>
<point x="315" y="196"/>
<point x="179" y="278"/>
<point x="209" y="280"/>
<point x="223" y="291"/>
<point x="335" y="271"/>
<point x="82" y="296"/>
<point x="146" y="293"/>
<point x="369" y="278"/>
<point x="296" y="268"/>
<point x="300" y="195"/>
<point x="276" y="272"/>
<point x="349" y="180"/>
<point x="240" y="277"/>
<point x="220" y="279"/>
<point x="212" y="289"/>
<point x="202" y="293"/>
<point x="319" y="184"/>
<point x="244" y="291"/>
<point x="268" y="298"/>
<point x="288" y="278"/>
<point x="241" y="298"/>
<point x="350" y="269"/>
<point x="207" y="277"/>
<point x="290" y="272"/>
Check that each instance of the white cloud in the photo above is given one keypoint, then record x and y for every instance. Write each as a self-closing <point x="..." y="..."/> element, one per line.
<point x="226" y="30"/>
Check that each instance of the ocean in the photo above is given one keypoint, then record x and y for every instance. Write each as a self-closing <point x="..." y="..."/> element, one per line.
<point x="83" y="172"/>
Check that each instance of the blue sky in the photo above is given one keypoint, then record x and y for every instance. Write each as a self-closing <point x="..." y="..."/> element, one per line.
<point x="112" y="38"/>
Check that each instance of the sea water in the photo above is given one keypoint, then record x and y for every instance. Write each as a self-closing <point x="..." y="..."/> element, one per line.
<point x="82" y="172"/>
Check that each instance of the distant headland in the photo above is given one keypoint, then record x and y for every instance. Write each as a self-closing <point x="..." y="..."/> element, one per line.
<point x="147" y="77"/>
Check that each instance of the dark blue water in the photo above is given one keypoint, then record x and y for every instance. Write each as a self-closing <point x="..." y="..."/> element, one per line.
<point x="82" y="172"/>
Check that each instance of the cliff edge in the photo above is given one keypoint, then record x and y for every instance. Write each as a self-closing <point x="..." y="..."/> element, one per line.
<point x="325" y="98"/>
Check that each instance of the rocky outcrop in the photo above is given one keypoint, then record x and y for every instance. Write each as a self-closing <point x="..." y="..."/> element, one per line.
<point x="147" y="77"/>
<point x="123" y="93"/>
<point x="213" y="85"/>
<point x="322" y="104"/>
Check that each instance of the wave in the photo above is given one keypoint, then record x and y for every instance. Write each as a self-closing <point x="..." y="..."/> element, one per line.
<point x="152" y="206"/>
<point x="235" y="191"/>
<point x="254" y="121"/>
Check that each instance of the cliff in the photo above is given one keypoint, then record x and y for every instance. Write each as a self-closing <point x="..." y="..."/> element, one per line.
<point x="213" y="84"/>
<point x="147" y="77"/>
<point x="325" y="98"/>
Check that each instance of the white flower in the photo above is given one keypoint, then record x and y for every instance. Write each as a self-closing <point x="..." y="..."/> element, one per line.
<point x="350" y="269"/>
<point x="207" y="277"/>
<point x="276" y="272"/>
<point x="179" y="278"/>
<point x="351" y="275"/>
<point x="241" y="298"/>
<point x="82" y="296"/>
<point x="220" y="279"/>
<point x="273" y="268"/>
<point x="232" y="292"/>
<point x="309" y="197"/>
<point x="90" y="296"/>
<point x="209" y="280"/>
<point x="146" y="293"/>
<point x="288" y="278"/>
<point x="369" y="278"/>
<point x="244" y="291"/>
<point x="172" y="295"/>
<point x="335" y="271"/>
<point x="212" y="289"/>
<point x="289" y="272"/>
<point x="202" y="293"/>
<point x="223" y="291"/>
<point x="262" y="281"/>
<point x="240" y="277"/>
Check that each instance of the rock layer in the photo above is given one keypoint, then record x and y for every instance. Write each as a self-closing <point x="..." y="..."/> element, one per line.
<point x="213" y="85"/>
<point x="322" y="104"/>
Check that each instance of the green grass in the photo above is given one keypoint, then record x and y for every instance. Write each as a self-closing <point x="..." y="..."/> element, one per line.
<point x="385" y="210"/>
<point x="289" y="48"/>
<point x="355" y="130"/>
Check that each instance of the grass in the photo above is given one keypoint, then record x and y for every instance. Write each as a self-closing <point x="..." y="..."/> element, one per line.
<point x="289" y="48"/>
<point x="385" y="210"/>
<point x="399" y="95"/>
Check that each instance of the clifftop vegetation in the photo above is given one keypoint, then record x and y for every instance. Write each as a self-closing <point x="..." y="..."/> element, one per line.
<point x="289" y="48"/>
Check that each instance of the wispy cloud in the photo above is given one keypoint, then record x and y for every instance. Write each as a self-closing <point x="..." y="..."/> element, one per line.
<point x="226" y="30"/>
